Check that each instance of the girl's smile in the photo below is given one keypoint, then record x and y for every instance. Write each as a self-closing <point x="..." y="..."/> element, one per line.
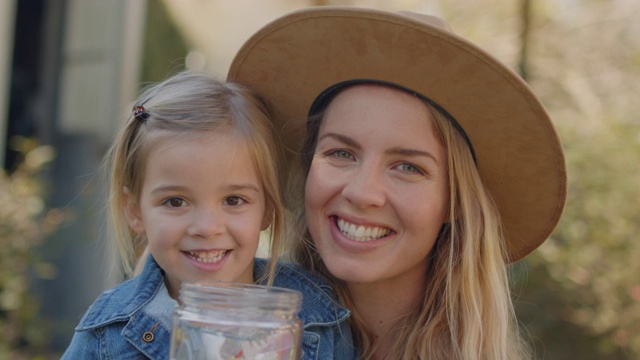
<point x="208" y="261"/>
<point x="206" y="256"/>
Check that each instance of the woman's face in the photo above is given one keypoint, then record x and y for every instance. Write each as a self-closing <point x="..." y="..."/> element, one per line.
<point x="376" y="194"/>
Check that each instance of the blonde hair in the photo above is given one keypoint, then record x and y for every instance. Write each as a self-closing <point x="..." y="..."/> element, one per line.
<point x="466" y="311"/>
<point x="189" y="104"/>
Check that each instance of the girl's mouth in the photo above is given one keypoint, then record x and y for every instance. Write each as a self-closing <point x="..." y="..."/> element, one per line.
<point x="208" y="256"/>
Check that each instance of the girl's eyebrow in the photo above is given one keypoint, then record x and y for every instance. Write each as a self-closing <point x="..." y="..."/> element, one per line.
<point x="167" y="188"/>
<point x="247" y="186"/>
<point x="231" y="187"/>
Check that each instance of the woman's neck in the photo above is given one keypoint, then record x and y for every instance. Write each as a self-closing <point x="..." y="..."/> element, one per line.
<point x="382" y="304"/>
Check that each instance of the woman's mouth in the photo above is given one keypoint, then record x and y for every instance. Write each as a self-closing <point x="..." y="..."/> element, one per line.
<point x="361" y="232"/>
<point x="207" y="256"/>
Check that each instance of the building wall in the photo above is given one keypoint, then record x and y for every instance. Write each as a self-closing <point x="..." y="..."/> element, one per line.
<point x="7" y="15"/>
<point x="82" y="86"/>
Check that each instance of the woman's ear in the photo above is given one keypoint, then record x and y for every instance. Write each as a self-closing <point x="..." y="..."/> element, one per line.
<point x="132" y="212"/>
<point x="267" y="219"/>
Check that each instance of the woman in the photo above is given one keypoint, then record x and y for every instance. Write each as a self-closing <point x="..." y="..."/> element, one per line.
<point x="428" y="166"/>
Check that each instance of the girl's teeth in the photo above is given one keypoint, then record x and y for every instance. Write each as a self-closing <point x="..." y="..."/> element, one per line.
<point x="208" y="256"/>
<point x="361" y="233"/>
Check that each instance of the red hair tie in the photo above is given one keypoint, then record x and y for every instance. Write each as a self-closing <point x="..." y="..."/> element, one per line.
<point x="140" y="113"/>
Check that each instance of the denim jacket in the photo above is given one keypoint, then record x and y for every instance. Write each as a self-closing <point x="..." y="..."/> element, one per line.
<point x="133" y="320"/>
<point x="326" y="330"/>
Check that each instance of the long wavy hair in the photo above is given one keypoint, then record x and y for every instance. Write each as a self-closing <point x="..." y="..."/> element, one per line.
<point x="189" y="104"/>
<point x="466" y="311"/>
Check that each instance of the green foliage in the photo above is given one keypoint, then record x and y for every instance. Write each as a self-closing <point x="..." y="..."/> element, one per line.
<point x="585" y="280"/>
<point x="578" y="295"/>
<point x="24" y="222"/>
<point x="592" y="257"/>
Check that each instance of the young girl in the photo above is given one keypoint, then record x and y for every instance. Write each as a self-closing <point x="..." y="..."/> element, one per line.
<point x="428" y="166"/>
<point x="194" y="180"/>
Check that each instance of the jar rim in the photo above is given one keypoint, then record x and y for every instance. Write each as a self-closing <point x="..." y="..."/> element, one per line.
<point x="211" y="294"/>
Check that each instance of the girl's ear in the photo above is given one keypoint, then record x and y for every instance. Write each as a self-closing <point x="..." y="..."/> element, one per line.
<point x="267" y="219"/>
<point x="132" y="212"/>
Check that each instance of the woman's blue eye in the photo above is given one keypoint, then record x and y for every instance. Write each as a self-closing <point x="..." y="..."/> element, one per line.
<point x="342" y="154"/>
<point x="410" y="168"/>
<point x="233" y="200"/>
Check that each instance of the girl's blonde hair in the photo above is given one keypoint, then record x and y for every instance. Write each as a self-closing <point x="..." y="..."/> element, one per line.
<point x="190" y="104"/>
<point x="466" y="312"/>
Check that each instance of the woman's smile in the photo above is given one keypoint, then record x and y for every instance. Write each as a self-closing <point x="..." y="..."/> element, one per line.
<point x="361" y="232"/>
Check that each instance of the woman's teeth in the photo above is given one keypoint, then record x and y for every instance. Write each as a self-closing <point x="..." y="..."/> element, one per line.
<point x="362" y="233"/>
<point x="207" y="256"/>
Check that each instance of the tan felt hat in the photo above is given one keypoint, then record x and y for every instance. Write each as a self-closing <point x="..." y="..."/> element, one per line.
<point x="292" y="60"/>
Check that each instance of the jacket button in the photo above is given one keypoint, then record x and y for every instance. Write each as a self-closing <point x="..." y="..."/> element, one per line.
<point x="148" y="336"/>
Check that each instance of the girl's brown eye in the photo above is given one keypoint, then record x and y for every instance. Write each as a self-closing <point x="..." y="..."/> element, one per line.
<point x="234" y="200"/>
<point x="175" y="202"/>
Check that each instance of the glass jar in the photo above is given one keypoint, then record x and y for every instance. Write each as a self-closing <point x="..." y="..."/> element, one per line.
<point x="236" y="321"/>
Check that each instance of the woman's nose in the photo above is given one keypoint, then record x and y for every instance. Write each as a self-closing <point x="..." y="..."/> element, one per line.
<point x="365" y="187"/>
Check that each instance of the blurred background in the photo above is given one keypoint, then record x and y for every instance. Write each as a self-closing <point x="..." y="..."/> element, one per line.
<point x="70" y="70"/>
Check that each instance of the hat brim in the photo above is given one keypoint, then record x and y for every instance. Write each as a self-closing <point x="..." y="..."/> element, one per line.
<point x="291" y="60"/>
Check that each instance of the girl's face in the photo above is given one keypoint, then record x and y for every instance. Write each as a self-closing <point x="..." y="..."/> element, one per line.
<point x="376" y="193"/>
<point x="201" y="207"/>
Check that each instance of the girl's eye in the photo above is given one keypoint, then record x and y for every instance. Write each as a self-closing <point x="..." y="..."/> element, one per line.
<point x="175" y="202"/>
<point x="234" y="201"/>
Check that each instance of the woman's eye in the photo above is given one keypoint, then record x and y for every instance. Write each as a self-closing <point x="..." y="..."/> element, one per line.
<point x="341" y="154"/>
<point x="175" y="202"/>
<point x="234" y="201"/>
<point x="409" y="168"/>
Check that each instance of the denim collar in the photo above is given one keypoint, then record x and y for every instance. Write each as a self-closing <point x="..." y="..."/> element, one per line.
<point x="123" y="301"/>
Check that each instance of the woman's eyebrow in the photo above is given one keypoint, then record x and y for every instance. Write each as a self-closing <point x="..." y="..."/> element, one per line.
<point x="411" y="152"/>
<point x="341" y="138"/>
<point x="393" y="151"/>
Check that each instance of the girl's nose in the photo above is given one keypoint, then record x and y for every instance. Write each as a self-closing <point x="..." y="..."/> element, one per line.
<point x="206" y="223"/>
<point x="365" y="187"/>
